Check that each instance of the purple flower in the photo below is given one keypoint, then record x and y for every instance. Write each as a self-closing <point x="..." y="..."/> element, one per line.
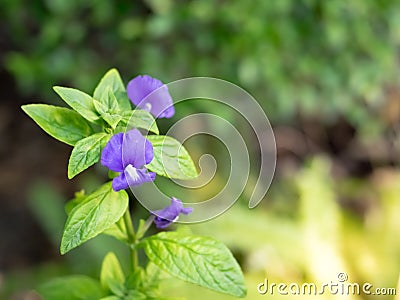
<point x="159" y="103"/>
<point x="128" y="153"/>
<point x="164" y="217"/>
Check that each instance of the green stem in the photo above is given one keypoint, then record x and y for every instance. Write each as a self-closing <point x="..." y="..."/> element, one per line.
<point x="130" y="231"/>
<point x="144" y="226"/>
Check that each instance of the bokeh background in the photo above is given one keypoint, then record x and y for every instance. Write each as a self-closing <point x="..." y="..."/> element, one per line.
<point x="327" y="75"/>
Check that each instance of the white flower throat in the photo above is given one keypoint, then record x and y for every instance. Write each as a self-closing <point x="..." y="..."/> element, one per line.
<point x="132" y="172"/>
<point x="147" y="107"/>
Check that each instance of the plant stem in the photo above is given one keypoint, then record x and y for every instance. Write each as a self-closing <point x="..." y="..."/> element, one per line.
<point x="146" y="225"/>
<point x="130" y="231"/>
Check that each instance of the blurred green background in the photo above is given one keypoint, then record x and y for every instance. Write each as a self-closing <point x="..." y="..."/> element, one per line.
<point x="325" y="72"/>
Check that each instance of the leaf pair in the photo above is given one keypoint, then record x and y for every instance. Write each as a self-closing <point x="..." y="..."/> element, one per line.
<point x="135" y="286"/>
<point x="109" y="98"/>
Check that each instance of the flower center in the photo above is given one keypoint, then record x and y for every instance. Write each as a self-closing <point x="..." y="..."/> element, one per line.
<point x="147" y="107"/>
<point x="132" y="172"/>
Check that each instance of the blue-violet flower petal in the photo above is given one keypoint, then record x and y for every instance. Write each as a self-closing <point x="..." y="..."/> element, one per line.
<point x="166" y="216"/>
<point x="151" y="94"/>
<point x="136" y="149"/>
<point x="128" y="153"/>
<point x="111" y="157"/>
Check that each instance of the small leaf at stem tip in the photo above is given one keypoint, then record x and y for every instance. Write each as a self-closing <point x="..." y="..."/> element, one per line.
<point x="111" y="276"/>
<point x="112" y="80"/>
<point x="111" y="101"/>
<point x="111" y="117"/>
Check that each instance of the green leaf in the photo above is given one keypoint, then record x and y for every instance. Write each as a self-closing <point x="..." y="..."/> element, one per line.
<point x="152" y="277"/>
<point x="199" y="260"/>
<point x="170" y="158"/>
<point x="109" y="115"/>
<point x="108" y="101"/>
<point x="86" y="153"/>
<point x="135" y="280"/>
<point x="138" y="119"/>
<point x="92" y="216"/>
<point x="62" y="123"/>
<point x="75" y="287"/>
<point x="118" y="230"/>
<point x="135" y="295"/>
<point x="147" y="281"/>
<point x="111" y="276"/>
<point x="79" y="101"/>
<point x="131" y="295"/>
<point x="113" y="80"/>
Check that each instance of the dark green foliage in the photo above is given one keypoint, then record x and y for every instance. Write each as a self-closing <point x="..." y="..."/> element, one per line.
<point x="324" y="58"/>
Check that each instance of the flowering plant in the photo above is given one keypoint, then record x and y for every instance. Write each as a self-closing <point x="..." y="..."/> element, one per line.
<point x="105" y="128"/>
